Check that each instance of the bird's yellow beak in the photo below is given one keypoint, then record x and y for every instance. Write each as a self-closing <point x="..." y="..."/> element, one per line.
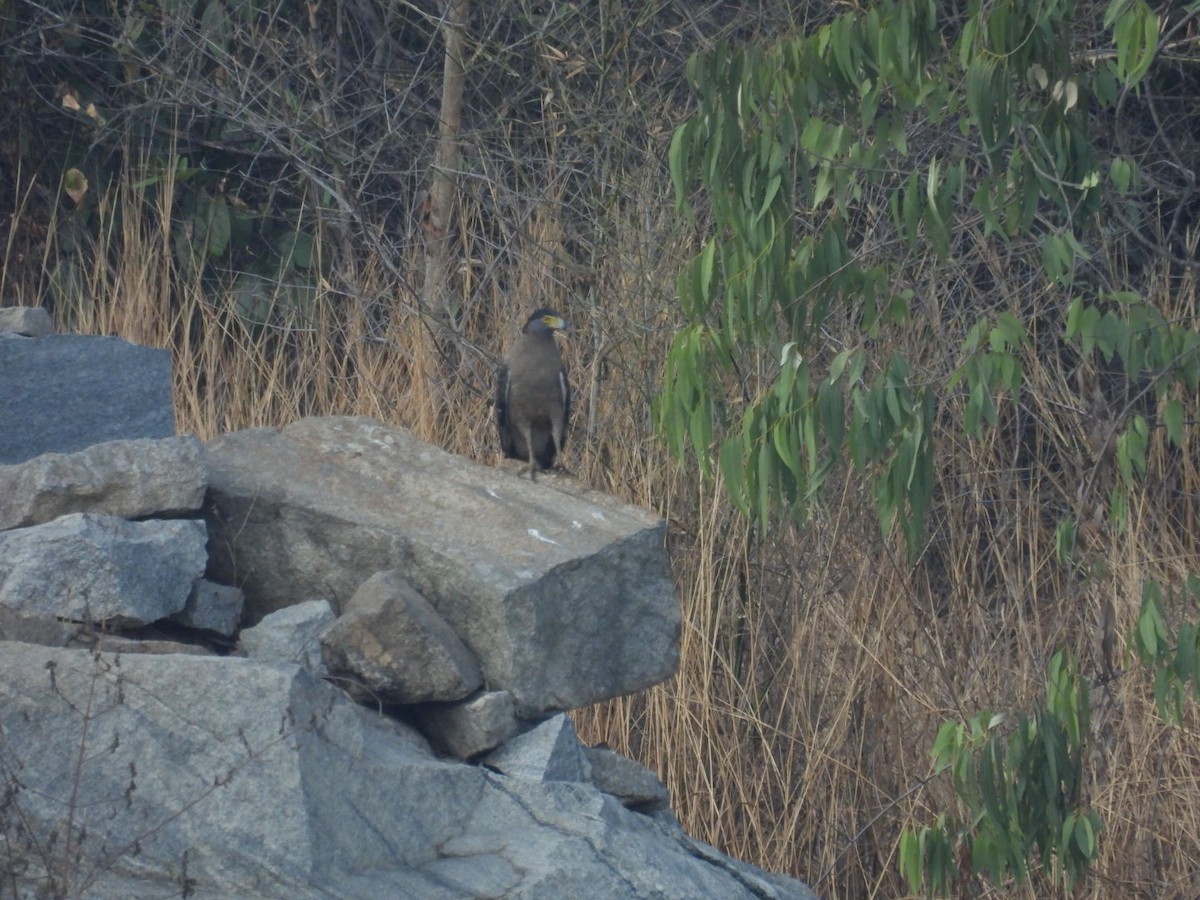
<point x="555" y="322"/>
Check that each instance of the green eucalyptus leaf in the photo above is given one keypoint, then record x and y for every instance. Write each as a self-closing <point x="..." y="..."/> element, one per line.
<point x="1173" y="420"/>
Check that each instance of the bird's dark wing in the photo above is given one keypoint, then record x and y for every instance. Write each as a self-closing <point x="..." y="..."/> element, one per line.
<point x="503" y="425"/>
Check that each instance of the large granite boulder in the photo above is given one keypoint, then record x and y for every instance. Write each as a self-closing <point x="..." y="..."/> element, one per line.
<point x="212" y="777"/>
<point x="563" y="595"/>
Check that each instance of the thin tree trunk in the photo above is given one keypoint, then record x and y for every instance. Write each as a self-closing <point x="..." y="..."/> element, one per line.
<point x="438" y="295"/>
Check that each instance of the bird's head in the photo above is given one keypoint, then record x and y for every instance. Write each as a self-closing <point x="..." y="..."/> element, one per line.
<point x="545" y="322"/>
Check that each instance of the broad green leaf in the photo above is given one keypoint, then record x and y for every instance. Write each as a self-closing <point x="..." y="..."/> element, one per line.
<point x="700" y="430"/>
<point x="733" y="469"/>
<point x="216" y="29"/>
<point x="832" y="408"/>
<point x="707" y="255"/>
<point x="1173" y="419"/>
<point x="782" y="436"/>
<point x="1011" y="329"/>
<point x="1187" y="655"/>
<point x="1120" y="171"/>
<point x="1148" y="629"/>
<point x="677" y="156"/>
<point x="1136" y="36"/>
<point x="296" y="250"/>
<point x="769" y="197"/>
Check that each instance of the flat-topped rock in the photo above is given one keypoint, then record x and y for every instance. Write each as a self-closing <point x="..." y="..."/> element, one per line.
<point x="564" y="595"/>
<point x="131" y="479"/>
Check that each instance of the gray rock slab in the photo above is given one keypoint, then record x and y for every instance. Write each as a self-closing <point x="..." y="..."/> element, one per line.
<point x="131" y="479"/>
<point x="30" y="321"/>
<point x="64" y="392"/>
<point x="564" y="595"/>
<point x="290" y="635"/>
<point x="549" y="751"/>
<point x="390" y="646"/>
<point x="472" y="726"/>
<point x="213" y="607"/>
<point x="227" y="777"/>
<point x="102" y="569"/>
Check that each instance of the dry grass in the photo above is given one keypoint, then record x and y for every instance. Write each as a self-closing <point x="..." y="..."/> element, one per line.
<point x="817" y="662"/>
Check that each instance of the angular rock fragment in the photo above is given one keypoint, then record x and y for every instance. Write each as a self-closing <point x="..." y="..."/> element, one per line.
<point x="390" y="646"/>
<point x="291" y="635"/>
<point x="630" y="782"/>
<point x="474" y="726"/>
<point x="91" y="568"/>
<point x="549" y="751"/>
<point x="30" y="321"/>
<point x="212" y="607"/>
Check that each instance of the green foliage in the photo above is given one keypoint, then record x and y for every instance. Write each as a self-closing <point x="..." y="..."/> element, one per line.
<point x="1126" y="332"/>
<point x="990" y="367"/>
<point x="791" y="146"/>
<point x="1173" y="658"/>
<point x="1135" y="33"/>
<point x="163" y="97"/>
<point x="1020" y="794"/>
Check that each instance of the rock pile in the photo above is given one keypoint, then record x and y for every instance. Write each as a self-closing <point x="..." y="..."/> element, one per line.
<point x="327" y="660"/>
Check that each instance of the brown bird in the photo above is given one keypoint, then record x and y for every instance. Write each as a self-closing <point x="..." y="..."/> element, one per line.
<point x="533" y="397"/>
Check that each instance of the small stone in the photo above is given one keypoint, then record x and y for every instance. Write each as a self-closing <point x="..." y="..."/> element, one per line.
<point x="290" y="635"/>
<point x="30" y="321"/>
<point x="212" y="607"/>
<point x="473" y="726"/>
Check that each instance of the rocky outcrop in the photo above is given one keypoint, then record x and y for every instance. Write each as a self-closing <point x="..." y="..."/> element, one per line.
<point x="564" y="596"/>
<point x="236" y="778"/>
<point x="413" y="746"/>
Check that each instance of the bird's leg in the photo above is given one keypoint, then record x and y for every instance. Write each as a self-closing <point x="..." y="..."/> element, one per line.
<point x="556" y="434"/>
<point x="528" y="429"/>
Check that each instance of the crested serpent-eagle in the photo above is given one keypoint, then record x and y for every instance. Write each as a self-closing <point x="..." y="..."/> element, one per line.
<point x="533" y="397"/>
